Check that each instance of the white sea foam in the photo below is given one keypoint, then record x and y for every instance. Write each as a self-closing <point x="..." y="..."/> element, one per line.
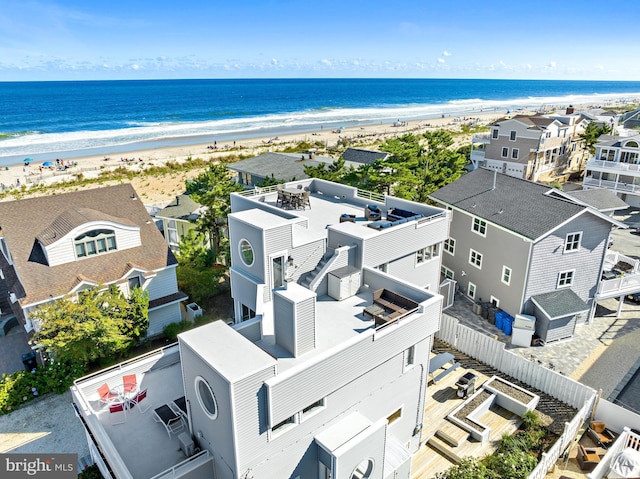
<point x="309" y="120"/>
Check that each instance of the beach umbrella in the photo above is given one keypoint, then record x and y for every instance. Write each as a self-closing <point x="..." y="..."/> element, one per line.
<point x="28" y="160"/>
<point x="47" y="163"/>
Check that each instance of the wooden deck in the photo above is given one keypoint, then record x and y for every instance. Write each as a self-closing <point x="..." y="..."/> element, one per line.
<point x="440" y="401"/>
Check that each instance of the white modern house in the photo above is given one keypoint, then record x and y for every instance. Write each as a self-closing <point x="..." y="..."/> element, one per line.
<point x="324" y="372"/>
<point x="616" y="166"/>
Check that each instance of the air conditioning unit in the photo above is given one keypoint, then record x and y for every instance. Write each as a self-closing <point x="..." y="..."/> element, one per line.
<point x="186" y="444"/>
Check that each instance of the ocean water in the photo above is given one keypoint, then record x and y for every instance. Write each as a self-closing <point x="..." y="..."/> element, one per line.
<point x="47" y="120"/>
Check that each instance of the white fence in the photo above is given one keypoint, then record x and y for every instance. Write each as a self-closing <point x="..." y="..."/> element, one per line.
<point x="492" y="352"/>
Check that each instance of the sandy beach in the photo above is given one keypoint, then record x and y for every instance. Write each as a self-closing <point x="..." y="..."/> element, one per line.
<point x="17" y="179"/>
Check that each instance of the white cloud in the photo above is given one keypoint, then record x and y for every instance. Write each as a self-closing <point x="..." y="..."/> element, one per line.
<point x="440" y="60"/>
<point x="326" y="62"/>
<point x="274" y="61"/>
<point x="446" y="53"/>
<point x="552" y="65"/>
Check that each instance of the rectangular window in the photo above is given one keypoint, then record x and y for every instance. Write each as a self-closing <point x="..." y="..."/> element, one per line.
<point x="450" y="246"/>
<point x="283" y="425"/>
<point x="471" y="290"/>
<point x="494" y="133"/>
<point x="102" y="245"/>
<point x="247" y="313"/>
<point x="495" y="301"/>
<point x="134" y="282"/>
<point x="506" y="275"/>
<point x="565" y="278"/>
<point x="475" y="258"/>
<point x="479" y="226"/>
<point x="80" y="250"/>
<point x="512" y="135"/>
<point x="505" y="152"/>
<point x="409" y="357"/>
<point x="172" y="232"/>
<point x="312" y="409"/>
<point x="572" y="242"/>
<point x="277" y="265"/>
<point x="425" y="254"/>
<point x="446" y="272"/>
<point x="514" y="153"/>
<point x="394" y="416"/>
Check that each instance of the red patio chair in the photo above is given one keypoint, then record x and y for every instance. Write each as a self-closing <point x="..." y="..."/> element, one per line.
<point x="105" y="393"/>
<point x="130" y="383"/>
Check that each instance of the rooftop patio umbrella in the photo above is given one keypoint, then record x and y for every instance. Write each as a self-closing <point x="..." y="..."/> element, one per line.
<point x="48" y="163"/>
<point x="28" y="160"/>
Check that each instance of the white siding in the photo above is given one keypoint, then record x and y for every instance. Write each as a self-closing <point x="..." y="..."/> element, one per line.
<point x="63" y="251"/>
<point x="163" y="284"/>
<point x="159" y="318"/>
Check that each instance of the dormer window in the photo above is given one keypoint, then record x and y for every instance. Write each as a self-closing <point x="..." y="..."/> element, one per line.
<point x="95" y="242"/>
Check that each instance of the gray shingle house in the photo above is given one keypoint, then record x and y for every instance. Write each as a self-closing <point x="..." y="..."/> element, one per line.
<point x="358" y="157"/>
<point x="282" y="166"/>
<point x="59" y="245"/>
<point x="514" y="242"/>
<point x="178" y="219"/>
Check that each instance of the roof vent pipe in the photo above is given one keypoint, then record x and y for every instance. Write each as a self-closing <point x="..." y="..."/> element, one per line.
<point x="495" y="175"/>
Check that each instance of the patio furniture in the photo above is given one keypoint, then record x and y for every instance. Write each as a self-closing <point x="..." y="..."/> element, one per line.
<point x="395" y="214"/>
<point x="439" y="360"/>
<point x="137" y="399"/>
<point x="346" y="217"/>
<point x="587" y="458"/>
<point x="372" y="213"/>
<point x="395" y="306"/>
<point x="171" y="421"/>
<point x="306" y="199"/>
<point x="114" y="409"/>
<point x="130" y="383"/>
<point x="106" y="395"/>
<point x="379" y="225"/>
<point x="600" y="434"/>
<point x="180" y="406"/>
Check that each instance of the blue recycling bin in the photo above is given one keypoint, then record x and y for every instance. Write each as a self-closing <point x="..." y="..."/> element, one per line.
<point x="499" y="319"/>
<point x="507" y="324"/>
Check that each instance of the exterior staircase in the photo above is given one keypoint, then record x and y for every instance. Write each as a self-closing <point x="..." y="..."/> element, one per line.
<point x="308" y="278"/>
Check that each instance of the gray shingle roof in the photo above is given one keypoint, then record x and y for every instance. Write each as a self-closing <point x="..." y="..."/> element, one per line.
<point x="283" y="166"/>
<point x="365" y="157"/>
<point x="560" y="303"/>
<point x="517" y="205"/>
<point x="23" y="221"/>
<point x="602" y="199"/>
<point x="182" y="207"/>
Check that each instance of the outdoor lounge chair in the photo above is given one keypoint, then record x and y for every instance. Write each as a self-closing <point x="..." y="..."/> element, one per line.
<point x="180" y="406"/>
<point x="600" y="434"/>
<point x="171" y="421"/>
<point x="587" y="458"/>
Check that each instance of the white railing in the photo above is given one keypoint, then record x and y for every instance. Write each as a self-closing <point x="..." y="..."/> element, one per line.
<point x="481" y="138"/>
<point x="628" y="439"/>
<point x="613" y="165"/>
<point x="370" y="195"/>
<point x="613" y="258"/>
<point x="612" y="185"/>
<point x="629" y="283"/>
<point x="183" y="467"/>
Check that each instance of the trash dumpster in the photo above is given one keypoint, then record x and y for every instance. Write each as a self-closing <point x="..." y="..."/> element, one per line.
<point x="29" y="361"/>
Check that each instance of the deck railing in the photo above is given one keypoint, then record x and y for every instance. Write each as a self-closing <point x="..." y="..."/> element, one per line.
<point x="628" y="439"/>
<point x="613" y="165"/>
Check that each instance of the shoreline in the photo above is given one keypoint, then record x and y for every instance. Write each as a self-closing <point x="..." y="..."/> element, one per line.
<point x="17" y="174"/>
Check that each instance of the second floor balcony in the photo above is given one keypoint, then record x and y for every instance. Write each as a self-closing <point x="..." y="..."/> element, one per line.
<point x="605" y="165"/>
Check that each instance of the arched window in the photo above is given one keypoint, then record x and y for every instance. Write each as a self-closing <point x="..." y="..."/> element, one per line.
<point x="95" y="242"/>
<point x="363" y="470"/>
<point x="631" y="144"/>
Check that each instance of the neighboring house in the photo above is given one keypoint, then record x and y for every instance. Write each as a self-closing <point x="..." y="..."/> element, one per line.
<point x="281" y="166"/>
<point x="178" y="219"/>
<point x="616" y="166"/>
<point x="59" y="245"/>
<point x="357" y="157"/>
<point x="533" y="147"/>
<point x="314" y="379"/>
<point x="602" y="199"/>
<point x="631" y="120"/>
<point x="519" y="244"/>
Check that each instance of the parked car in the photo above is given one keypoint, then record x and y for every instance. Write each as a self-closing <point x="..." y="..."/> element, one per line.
<point x="634" y="297"/>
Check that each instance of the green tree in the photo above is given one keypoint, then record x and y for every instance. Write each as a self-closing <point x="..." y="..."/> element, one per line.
<point x="212" y="189"/>
<point x="99" y="325"/>
<point x="441" y="164"/>
<point x="592" y="132"/>
<point x="197" y="274"/>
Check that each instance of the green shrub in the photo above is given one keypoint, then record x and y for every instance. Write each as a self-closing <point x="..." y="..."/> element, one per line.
<point x="172" y="330"/>
<point x="90" y="472"/>
<point x="21" y="387"/>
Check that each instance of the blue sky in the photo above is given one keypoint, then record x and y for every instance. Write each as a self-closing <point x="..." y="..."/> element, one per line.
<point x="140" y="39"/>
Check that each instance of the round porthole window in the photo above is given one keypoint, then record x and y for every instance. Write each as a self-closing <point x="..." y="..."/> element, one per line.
<point x="246" y="252"/>
<point x="363" y="470"/>
<point x="206" y="398"/>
